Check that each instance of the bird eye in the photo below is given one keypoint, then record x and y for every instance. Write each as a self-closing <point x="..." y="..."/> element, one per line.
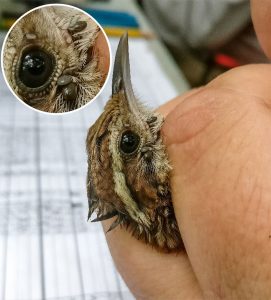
<point x="129" y="142"/>
<point x="36" y="68"/>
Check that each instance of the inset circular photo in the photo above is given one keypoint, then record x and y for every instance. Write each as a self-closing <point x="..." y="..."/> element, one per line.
<point x="56" y="58"/>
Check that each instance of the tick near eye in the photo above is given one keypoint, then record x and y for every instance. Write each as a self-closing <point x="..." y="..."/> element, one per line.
<point x="129" y="142"/>
<point x="69" y="92"/>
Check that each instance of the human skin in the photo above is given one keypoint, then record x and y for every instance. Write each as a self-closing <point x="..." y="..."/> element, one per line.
<point x="218" y="139"/>
<point x="261" y="13"/>
<point x="101" y="47"/>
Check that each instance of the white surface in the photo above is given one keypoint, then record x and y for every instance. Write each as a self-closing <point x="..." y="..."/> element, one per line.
<point x="47" y="249"/>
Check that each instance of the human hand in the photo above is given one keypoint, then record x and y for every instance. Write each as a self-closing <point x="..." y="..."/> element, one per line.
<point x="219" y="140"/>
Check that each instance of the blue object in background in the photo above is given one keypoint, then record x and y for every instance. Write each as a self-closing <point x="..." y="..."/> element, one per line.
<point x="113" y="18"/>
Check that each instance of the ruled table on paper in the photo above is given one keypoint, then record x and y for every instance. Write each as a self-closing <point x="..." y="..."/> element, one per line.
<point x="48" y="250"/>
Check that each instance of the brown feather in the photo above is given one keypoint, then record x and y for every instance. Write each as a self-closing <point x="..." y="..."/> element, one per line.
<point x="68" y="36"/>
<point x="135" y="185"/>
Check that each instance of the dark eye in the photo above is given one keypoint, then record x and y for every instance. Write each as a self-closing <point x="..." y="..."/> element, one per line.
<point x="36" y="67"/>
<point x="129" y="142"/>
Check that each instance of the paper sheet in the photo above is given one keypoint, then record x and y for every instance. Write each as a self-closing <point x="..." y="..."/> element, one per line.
<point x="47" y="248"/>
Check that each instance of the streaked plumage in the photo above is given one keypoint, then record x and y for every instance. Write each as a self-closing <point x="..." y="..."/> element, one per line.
<point x="128" y="168"/>
<point x="65" y="37"/>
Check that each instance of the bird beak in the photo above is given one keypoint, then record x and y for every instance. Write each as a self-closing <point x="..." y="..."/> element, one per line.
<point x="122" y="77"/>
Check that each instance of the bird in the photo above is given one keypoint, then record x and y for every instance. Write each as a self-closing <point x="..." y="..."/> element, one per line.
<point x="128" y="178"/>
<point x="50" y="61"/>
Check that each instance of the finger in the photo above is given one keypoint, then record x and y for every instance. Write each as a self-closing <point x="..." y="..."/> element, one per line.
<point x="166" y="108"/>
<point x="148" y="273"/>
<point x="191" y="115"/>
<point x="102" y="48"/>
<point x="247" y="80"/>
<point x="261" y="15"/>
<point x="217" y="143"/>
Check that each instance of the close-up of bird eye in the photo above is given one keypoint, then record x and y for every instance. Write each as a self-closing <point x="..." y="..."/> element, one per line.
<point x="56" y="58"/>
<point x="35" y="68"/>
<point x="129" y="142"/>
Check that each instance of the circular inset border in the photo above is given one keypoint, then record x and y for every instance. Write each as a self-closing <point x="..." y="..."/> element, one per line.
<point x="90" y="101"/>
